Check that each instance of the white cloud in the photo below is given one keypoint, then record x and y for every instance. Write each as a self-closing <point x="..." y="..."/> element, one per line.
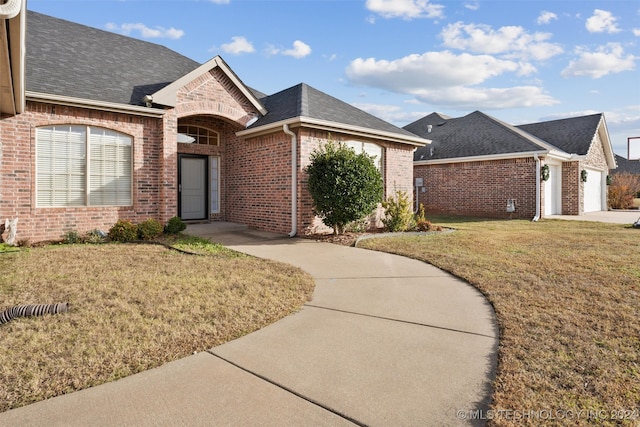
<point x="546" y="17"/>
<point x="487" y="98"/>
<point x="602" y="21"/>
<point x="608" y="59"/>
<point x="220" y="1"/>
<point x="511" y="41"/>
<point x="475" y="5"/>
<point x="406" y="9"/>
<point x="238" y="45"/>
<point x="448" y="80"/>
<point x="636" y="32"/>
<point x="300" y="50"/>
<point x="145" y="32"/>
<point x="390" y="113"/>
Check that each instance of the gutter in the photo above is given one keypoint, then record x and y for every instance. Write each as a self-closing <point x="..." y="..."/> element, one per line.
<point x="96" y="105"/>
<point x="415" y="141"/>
<point x="294" y="179"/>
<point x="538" y="184"/>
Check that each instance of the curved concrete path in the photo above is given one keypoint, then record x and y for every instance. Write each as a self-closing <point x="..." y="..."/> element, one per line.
<point x="385" y="341"/>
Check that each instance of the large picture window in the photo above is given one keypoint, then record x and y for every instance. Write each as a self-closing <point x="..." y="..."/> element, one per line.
<point x="83" y="166"/>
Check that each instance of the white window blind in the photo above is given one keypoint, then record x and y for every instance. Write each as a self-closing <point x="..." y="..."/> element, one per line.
<point x="61" y="166"/>
<point x="82" y="166"/>
<point x="109" y="168"/>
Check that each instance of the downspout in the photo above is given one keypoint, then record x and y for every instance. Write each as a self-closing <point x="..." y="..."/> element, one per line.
<point x="537" y="217"/>
<point x="10" y="9"/>
<point x="294" y="180"/>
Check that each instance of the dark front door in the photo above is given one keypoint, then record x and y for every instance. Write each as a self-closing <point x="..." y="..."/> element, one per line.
<point x="192" y="187"/>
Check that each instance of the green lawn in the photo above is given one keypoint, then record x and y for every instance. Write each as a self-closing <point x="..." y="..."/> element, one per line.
<point x="567" y="300"/>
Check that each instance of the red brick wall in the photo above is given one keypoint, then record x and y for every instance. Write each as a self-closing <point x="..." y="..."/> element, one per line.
<point x="479" y="188"/>
<point x="17" y="172"/>
<point x="258" y="182"/>
<point x="259" y="178"/>
<point x="572" y="189"/>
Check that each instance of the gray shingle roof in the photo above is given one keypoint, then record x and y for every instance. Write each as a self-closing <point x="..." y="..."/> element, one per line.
<point x="69" y="59"/>
<point x="624" y="165"/>
<point x="572" y="135"/>
<point x="303" y="100"/>
<point x="475" y="134"/>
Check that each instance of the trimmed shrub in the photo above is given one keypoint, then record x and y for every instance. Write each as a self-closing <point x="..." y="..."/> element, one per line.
<point x="345" y="186"/>
<point x="175" y="225"/>
<point x="149" y="229"/>
<point x="398" y="215"/>
<point x="71" y="237"/>
<point x="123" y="231"/>
<point x="95" y="236"/>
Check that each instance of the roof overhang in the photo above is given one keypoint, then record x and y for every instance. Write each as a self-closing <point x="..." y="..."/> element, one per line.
<point x="12" y="56"/>
<point x="603" y="132"/>
<point x="168" y="95"/>
<point x="94" y="105"/>
<point x="490" y="157"/>
<point x="308" y="122"/>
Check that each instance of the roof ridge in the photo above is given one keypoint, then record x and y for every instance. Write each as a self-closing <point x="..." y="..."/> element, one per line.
<point x="521" y="133"/>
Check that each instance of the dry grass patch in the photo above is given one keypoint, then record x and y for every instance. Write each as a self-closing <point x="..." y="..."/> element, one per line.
<point x="567" y="300"/>
<point x="132" y="307"/>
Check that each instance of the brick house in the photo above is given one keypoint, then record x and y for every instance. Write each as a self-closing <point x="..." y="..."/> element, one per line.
<point x="100" y="127"/>
<point x="478" y="165"/>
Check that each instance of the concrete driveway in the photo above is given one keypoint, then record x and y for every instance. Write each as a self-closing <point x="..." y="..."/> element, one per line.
<point x="615" y="217"/>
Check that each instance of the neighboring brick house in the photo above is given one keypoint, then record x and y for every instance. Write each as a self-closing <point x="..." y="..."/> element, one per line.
<point x="103" y="127"/>
<point x="478" y="165"/>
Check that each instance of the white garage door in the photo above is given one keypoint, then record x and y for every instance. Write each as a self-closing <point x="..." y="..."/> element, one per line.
<point x="593" y="191"/>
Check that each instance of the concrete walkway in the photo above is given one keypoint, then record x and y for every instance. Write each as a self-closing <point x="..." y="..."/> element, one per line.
<point x="385" y="341"/>
<point x="614" y="217"/>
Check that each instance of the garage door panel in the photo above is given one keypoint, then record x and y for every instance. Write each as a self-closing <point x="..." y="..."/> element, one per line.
<point x="593" y="191"/>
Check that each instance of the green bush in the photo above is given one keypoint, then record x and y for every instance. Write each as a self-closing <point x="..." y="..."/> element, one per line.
<point x="344" y="186"/>
<point x="95" y="236"/>
<point x="149" y="229"/>
<point x="175" y="225"/>
<point x="398" y="215"/>
<point x="123" y="231"/>
<point x="71" y="237"/>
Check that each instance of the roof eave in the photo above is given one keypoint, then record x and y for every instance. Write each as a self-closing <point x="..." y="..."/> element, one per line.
<point x="606" y="142"/>
<point x="94" y="105"/>
<point x="333" y="126"/>
<point x="167" y="95"/>
<point x="483" y="158"/>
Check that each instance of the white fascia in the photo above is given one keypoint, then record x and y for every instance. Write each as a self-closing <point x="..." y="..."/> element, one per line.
<point x="94" y="105"/>
<point x="480" y="158"/>
<point x="336" y="127"/>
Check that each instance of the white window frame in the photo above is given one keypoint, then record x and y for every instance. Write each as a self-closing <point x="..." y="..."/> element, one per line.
<point x="81" y="166"/>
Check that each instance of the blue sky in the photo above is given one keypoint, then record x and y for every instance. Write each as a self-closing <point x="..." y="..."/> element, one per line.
<point x="520" y="61"/>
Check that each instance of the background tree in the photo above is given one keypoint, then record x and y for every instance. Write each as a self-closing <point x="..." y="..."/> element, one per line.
<point x="623" y="189"/>
<point x="345" y="186"/>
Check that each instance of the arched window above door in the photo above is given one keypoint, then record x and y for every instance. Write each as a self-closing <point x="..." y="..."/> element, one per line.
<point x="198" y="135"/>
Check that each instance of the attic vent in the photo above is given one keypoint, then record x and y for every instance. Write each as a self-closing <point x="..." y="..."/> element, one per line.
<point x="430" y="151"/>
<point x="429" y="128"/>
